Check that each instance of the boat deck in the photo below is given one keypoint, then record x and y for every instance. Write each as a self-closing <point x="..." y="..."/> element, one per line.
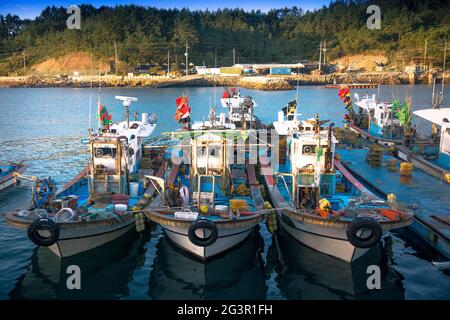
<point x="426" y="193"/>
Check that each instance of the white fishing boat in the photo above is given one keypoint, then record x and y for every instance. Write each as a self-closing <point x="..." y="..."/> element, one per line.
<point x="240" y="109"/>
<point x="100" y="203"/>
<point x="318" y="201"/>
<point x="440" y="118"/>
<point x="208" y="204"/>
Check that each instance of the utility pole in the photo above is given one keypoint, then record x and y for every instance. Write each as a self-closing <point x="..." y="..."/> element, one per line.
<point x="234" y="56"/>
<point x="168" y="61"/>
<point x="320" y="56"/>
<point x="187" y="59"/>
<point x="215" y="57"/>
<point x="424" y="54"/>
<point x="116" y="58"/>
<point x="24" y="61"/>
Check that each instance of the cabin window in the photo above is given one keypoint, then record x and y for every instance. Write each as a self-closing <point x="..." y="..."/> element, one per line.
<point x="105" y="152"/>
<point x="381" y="116"/>
<point x="214" y="151"/>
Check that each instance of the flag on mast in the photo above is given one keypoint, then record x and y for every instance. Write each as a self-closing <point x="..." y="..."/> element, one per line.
<point x="183" y="111"/>
<point x="103" y="116"/>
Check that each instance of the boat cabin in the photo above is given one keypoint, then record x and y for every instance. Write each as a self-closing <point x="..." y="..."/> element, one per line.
<point x="308" y="170"/>
<point x="116" y="151"/>
<point x="380" y="115"/>
<point x="240" y="109"/>
<point x="208" y="154"/>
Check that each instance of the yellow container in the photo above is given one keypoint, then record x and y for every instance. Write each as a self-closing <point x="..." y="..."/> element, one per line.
<point x="447" y="177"/>
<point x="406" y="165"/>
<point x="406" y="168"/>
<point x="203" y="209"/>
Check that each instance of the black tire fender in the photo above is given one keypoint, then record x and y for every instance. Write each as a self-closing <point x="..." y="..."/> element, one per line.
<point x="364" y="223"/>
<point x="43" y="224"/>
<point x="203" y="224"/>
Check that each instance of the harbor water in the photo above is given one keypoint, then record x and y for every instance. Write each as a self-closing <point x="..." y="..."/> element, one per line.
<point x="45" y="126"/>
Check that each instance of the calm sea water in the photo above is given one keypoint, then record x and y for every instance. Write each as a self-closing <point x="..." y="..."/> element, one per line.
<point x="44" y="128"/>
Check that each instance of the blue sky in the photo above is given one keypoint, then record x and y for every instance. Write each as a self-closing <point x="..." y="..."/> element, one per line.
<point x="32" y="8"/>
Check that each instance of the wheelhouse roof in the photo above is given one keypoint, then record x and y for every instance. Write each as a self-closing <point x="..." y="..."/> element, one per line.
<point x="437" y="116"/>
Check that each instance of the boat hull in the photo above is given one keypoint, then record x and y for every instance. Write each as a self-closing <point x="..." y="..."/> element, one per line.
<point x="227" y="239"/>
<point x="332" y="242"/>
<point x="70" y="244"/>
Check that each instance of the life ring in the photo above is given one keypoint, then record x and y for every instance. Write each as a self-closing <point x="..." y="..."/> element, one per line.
<point x="35" y="232"/>
<point x="355" y="237"/>
<point x="203" y="224"/>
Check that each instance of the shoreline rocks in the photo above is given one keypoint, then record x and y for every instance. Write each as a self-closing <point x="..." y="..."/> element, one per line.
<point x="265" y="83"/>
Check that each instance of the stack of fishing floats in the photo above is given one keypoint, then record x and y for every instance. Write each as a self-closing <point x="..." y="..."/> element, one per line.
<point x="375" y="155"/>
<point x="346" y="137"/>
<point x="140" y="222"/>
<point x="392" y="165"/>
<point x="406" y="169"/>
<point x="271" y="218"/>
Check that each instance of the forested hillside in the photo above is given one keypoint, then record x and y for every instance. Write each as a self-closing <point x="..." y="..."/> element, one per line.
<point x="145" y="34"/>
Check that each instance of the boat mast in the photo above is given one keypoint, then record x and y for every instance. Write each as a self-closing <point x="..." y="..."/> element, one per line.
<point x="443" y="72"/>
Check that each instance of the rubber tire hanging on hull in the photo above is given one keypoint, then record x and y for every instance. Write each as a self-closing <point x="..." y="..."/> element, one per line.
<point x="364" y="223"/>
<point x="203" y="224"/>
<point x="43" y="225"/>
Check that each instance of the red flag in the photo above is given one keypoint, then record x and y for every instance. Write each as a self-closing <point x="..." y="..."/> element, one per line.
<point x="226" y="95"/>
<point x="182" y="107"/>
<point x="344" y="92"/>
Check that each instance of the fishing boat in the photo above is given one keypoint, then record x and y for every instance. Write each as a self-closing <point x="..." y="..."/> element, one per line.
<point x="374" y="120"/>
<point x="100" y="203"/>
<point x="240" y="109"/>
<point x="439" y="165"/>
<point x="209" y="203"/>
<point x="9" y="172"/>
<point x="317" y="200"/>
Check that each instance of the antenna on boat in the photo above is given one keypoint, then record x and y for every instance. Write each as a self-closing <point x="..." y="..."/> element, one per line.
<point x="296" y="98"/>
<point x="126" y="103"/>
<point x="90" y="101"/>
<point x="443" y="71"/>
<point x="99" y="90"/>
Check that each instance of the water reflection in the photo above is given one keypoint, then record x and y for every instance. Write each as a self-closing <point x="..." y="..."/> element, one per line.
<point x="307" y="274"/>
<point x="105" y="271"/>
<point x="239" y="274"/>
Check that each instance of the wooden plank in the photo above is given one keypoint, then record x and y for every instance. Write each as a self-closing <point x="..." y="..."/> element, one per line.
<point x="257" y="197"/>
<point x="159" y="174"/>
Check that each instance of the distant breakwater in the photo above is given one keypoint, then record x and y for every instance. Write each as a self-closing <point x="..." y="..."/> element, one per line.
<point x="250" y="82"/>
